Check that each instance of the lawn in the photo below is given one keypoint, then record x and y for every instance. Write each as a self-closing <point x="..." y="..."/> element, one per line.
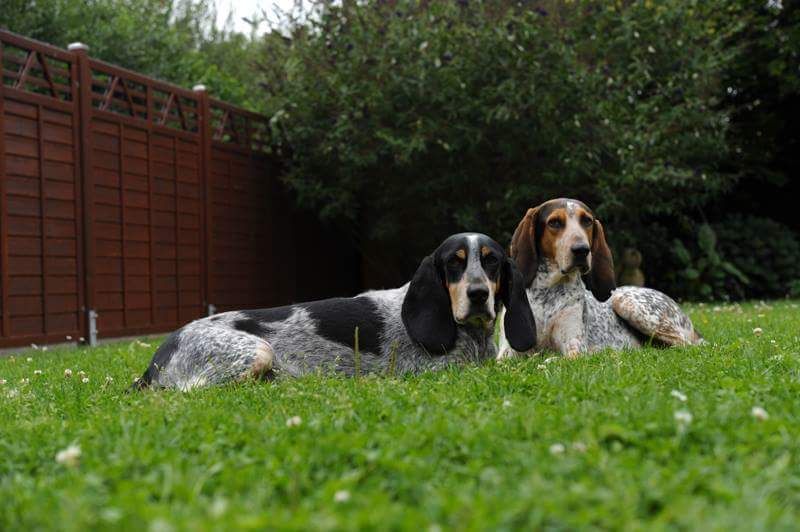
<point x="642" y="439"/>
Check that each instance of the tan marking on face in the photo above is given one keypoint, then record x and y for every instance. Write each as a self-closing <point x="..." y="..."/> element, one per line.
<point x="551" y="237"/>
<point x="461" y="254"/>
<point x="588" y="229"/>
<point x="459" y="302"/>
<point x="485" y="251"/>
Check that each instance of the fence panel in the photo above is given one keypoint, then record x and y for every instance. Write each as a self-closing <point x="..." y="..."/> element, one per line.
<point x="132" y="206"/>
<point x="146" y="188"/>
<point x="41" y="292"/>
<point x="244" y="260"/>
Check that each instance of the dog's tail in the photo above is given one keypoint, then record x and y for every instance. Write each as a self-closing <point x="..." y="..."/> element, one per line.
<point x="160" y="360"/>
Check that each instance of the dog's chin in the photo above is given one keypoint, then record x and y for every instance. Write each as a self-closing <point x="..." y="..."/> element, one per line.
<point x="583" y="269"/>
<point x="479" y="320"/>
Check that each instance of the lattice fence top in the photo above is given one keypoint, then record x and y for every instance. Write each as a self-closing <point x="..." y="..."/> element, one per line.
<point x="37" y="68"/>
<point x="123" y="92"/>
<point x="236" y="126"/>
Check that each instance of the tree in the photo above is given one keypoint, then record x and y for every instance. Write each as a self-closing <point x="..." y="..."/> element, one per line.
<point x="412" y="120"/>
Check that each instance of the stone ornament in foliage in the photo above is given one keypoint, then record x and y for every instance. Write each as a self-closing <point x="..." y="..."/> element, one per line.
<point x="630" y="271"/>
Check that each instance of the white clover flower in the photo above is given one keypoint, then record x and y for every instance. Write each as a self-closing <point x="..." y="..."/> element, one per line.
<point x="678" y="395"/>
<point x="759" y="413"/>
<point x="341" y="496"/>
<point x="69" y="456"/>
<point x="218" y="507"/>
<point x="506" y="403"/>
<point x="67" y="373"/>
<point x="683" y="418"/>
<point x="557" y="448"/>
<point x="550" y="359"/>
<point x="12" y="393"/>
<point x="2" y="382"/>
<point x="541" y="366"/>
<point x="81" y="373"/>
<point x="758" y="331"/>
<point x="85" y="380"/>
<point x="24" y="380"/>
<point x="294" y="421"/>
<point x="651" y="49"/>
<point x="37" y="372"/>
<point x="579" y="446"/>
<point x="109" y="378"/>
<point x="30" y="359"/>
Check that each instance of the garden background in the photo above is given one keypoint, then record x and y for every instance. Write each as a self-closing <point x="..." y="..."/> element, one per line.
<point x="400" y="122"/>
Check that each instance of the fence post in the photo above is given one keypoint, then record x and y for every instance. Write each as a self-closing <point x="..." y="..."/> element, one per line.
<point x="84" y="101"/>
<point x="204" y="129"/>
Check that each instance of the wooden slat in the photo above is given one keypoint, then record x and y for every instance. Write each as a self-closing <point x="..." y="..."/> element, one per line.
<point x="4" y="285"/>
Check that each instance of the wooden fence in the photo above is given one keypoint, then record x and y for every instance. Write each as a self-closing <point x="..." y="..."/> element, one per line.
<point x="131" y="206"/>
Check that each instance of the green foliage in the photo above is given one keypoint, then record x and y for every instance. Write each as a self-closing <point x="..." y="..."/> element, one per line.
<point x="767" y="252"/>
<point x="703" y="273"/>
<point x="762" y="88"/>
<point x="415" y="119"/>
<point x="794" y="288"/>
<point x="473" y="448"/>
<point x="173" y="40"/>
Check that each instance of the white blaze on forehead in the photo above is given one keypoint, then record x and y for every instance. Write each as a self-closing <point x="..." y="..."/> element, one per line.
<point x="571" y="206"/>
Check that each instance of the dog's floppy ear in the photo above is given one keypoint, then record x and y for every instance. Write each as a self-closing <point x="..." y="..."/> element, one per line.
<point x="426" y="312"/>
<point x="601" y="278"/>
<point x="519" y="325"/>
<point x="523" y="246"/>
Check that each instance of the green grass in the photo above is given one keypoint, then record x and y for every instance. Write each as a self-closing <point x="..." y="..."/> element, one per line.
<point x="468" y="448"/>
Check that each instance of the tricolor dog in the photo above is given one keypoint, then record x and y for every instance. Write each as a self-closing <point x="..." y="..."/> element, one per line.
<point x="445" y="315"/>
<point x="554" y="246"/>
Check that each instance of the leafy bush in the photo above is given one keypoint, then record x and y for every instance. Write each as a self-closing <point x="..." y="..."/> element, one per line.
<point x="767" y="252"/>
<point x="412" y="120"/>
<point x="703" y="273"/>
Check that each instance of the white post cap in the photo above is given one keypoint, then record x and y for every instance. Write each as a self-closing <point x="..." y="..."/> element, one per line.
<point x="75" y="46"/>
<point x="199" y="88"/>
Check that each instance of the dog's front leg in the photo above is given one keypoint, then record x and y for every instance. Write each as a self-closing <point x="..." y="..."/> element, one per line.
<point x="568" y="335"/>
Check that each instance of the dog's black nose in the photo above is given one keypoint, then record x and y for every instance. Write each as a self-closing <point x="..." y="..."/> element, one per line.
<point x="581" y="251"/>
<point x="478" y="294"/>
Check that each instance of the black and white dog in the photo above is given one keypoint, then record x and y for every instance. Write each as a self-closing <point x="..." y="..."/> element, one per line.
<point x="445" y="315"/>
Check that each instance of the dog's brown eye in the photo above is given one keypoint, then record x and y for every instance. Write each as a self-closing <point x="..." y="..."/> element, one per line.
<point x="454" y="261"/>
<point x="586" y="221"/>
<point x="555" y="223"/>
<point x="490" y="261"/>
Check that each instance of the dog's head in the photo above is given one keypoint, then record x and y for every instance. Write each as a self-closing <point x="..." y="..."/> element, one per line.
<point x="566" y="237"/>
<point x="462" y="284"/>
